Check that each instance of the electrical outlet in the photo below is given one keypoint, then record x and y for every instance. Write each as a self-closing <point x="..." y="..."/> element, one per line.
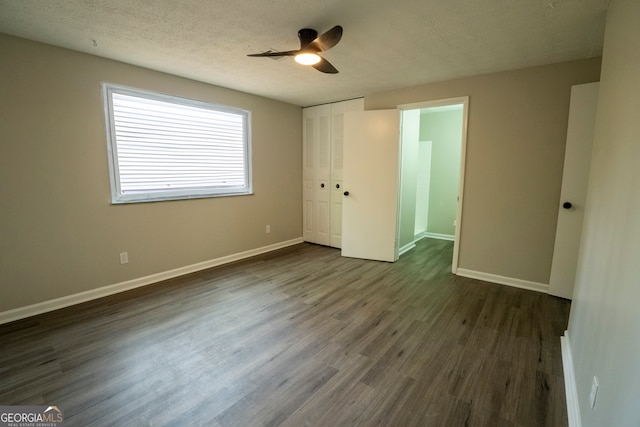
<point x="124" y="257"/>
<point x="594" y="392"/>
<point x="267" y="229"/>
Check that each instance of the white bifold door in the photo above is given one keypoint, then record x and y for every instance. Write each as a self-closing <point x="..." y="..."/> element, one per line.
<point x="370" y="184"/>
<point x="322" y="127"/>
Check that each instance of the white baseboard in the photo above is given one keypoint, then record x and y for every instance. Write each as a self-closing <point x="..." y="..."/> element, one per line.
<point x="502" y="280"/>
<point x="571" y="390"/>
<point x="438" y="236"/>
<point x="66" y="301"/>
<point x="406" y="248"/>
<point x="419" y="236"/>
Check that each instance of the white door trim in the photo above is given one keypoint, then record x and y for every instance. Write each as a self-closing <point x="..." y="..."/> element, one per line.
<point x="464" y="100"/>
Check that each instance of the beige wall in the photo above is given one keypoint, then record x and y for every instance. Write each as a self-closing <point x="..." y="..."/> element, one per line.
<point x="515" y="150"/>
<point x="59" y="233"/>
<point x="604" y="325"/>
<point x="61" y="236"/>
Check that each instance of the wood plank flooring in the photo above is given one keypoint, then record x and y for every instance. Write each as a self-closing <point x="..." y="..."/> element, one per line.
<point x="298" y="337"/>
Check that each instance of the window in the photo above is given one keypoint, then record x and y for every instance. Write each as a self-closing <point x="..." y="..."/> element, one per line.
<point x="166" y="148"/>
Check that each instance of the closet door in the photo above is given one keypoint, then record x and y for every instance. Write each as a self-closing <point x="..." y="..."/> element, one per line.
<point x="316" y="174"/>
<point x="337" y="143"/>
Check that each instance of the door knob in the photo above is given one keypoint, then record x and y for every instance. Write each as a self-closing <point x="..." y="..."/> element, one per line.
<point x="346" y="193"/>
<point x="567" y="205"/>
<point x="322" y="185"/>
<point x="337" y="185"/>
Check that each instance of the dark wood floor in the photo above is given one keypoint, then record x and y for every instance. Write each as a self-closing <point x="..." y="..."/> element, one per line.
<point x="301" y="337"/>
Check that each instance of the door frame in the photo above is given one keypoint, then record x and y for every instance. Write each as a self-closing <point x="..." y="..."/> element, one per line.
<point x="464" y="100"/>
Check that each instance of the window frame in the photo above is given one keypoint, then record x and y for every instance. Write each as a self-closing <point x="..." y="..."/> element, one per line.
<point x="118" y="197"/>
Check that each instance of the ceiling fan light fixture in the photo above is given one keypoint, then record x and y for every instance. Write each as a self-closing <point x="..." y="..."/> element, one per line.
<point x="311" y="44"/>
<point x="307" y="58"/>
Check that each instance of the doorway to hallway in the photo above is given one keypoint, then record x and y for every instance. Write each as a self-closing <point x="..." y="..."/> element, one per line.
<point x="433" y="143"/>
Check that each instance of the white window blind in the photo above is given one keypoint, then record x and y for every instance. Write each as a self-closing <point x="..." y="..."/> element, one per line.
<point x="164" y="147"/>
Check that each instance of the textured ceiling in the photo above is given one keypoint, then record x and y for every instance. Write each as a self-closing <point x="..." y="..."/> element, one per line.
<point x="387" y="44"/>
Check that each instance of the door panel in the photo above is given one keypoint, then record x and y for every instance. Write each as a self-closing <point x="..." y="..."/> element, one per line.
<point x="336" y="213"/>
<point x="370" y="175"/>
<point x="308" y="194"/>
<point x="316" y="171"/>
<point x="575" y="176"/>
<point x="309" y="205"/>
<point x="322" y="217"/>
<point x="337" y="162"/>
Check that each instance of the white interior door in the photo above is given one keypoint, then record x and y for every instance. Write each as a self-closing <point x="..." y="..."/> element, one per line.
<point x="370" y="174"/>
<point x="337" y="128"/>
<point x="575" y="176"/>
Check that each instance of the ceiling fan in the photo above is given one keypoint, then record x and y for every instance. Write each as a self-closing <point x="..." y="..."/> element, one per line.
<point x="310" y="46"/>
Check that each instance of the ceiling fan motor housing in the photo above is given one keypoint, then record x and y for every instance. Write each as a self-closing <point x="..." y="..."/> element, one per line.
<point x="306" y="36"/>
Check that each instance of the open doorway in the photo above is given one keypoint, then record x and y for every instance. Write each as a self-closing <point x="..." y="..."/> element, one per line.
<point x="433" y="145"/>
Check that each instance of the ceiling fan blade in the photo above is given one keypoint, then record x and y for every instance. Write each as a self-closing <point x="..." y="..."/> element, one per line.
<point x="271" y="53"/>
<point x="326" y="40"/>
<point x="325" y="66"/>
